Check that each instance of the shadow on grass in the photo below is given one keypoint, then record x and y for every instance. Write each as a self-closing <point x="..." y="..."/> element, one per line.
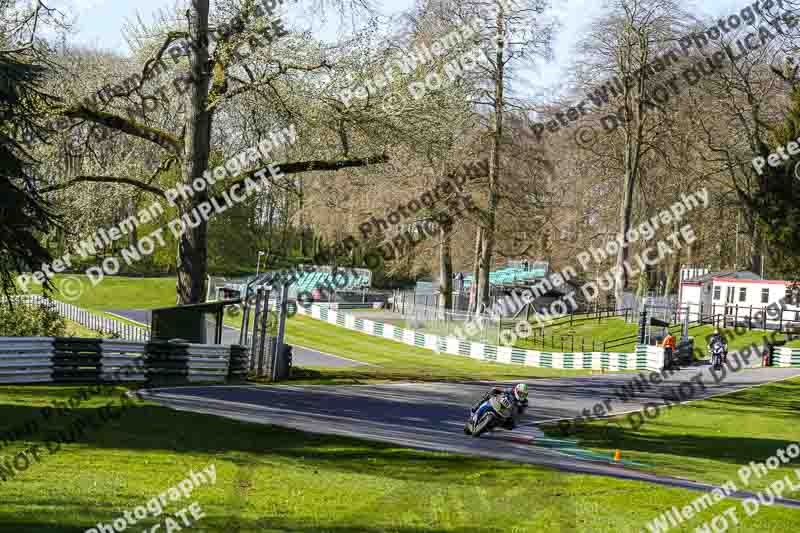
<point x="148" y="428"/>
<point x="235" y="524"/>
<point x="772" y="410"/>
<point x="355" y="377"/>
<point x="145" y="430"/>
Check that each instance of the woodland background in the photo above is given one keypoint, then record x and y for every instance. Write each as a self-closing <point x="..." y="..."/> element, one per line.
<point x="539" y="200"/>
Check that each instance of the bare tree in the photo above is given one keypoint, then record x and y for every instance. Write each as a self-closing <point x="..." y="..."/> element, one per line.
<point x="518" y="32"/>
<point x="212" y="80"/>
<point x="619" y="52"/>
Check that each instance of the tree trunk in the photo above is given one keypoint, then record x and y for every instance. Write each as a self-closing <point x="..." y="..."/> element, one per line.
<point x="445" y="271"/>
<point x="670" y="276"/>
<point x="626" y="210"/>
<point x="302" y="225"/>
<point x="270" y="214"/>
<point x="286" y="240"/>
<point x="473" y="289"/>
<point x="494" y="169"/>
<point x="133" y="236"/>
<point x="642" y="287"/>
<point x="755" y="251"/>
<point x="673" y="268"/>
<point x="192" y="261"/>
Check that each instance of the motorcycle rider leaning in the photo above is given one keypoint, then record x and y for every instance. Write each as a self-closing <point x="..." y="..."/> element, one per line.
<point x="518" y="396"/>
<point x="718" y="338"/>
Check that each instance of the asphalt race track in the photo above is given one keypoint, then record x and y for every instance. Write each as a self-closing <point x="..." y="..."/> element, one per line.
<point x="431" y="415"/>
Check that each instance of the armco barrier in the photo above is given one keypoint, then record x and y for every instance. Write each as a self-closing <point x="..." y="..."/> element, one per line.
<point x="176" y="362"/>
<point x="26" y="359"/>
<point x="239" y="363"/>
<point x="73" y="360"/>
<point x="644" y="358"/>
<point x="786" y="357"/>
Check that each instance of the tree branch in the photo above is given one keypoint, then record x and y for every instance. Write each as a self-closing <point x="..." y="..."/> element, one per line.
<point x="105" y="179"/>
<point x="116" y="122"/>
<point x="310" y="166"/>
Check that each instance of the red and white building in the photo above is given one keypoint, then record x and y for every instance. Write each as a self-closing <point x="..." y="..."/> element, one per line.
<point x="739" y="296"/>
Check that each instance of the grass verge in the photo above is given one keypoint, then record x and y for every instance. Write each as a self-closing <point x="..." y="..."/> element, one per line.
<point x="276" y="480"/>
<point x="708" y="440"/>
<point x="394" y="360"/>
<point x="114" y="292"/>
<point x="614" y="328"/>
<point x="77" y="330"/>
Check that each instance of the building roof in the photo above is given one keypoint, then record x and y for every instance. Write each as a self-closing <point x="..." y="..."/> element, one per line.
<point x="731" y="275"/>
<point x="511" y="275"/>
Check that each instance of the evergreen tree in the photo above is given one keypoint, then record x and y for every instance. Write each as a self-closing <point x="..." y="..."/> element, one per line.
<point x="24" y="215"/>
<point x="777" y="200"/>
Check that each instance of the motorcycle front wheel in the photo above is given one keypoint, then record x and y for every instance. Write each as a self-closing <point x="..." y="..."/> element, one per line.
<point x="483" y="425"/>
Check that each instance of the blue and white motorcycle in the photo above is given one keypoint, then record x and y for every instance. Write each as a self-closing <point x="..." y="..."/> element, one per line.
<point x="717" y="355"/>
<point x="490" y="414"/>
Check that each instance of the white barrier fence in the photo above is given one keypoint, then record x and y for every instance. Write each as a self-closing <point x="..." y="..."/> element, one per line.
<point x="786" y="357"/>
<point x="644" y="358"/>
<point x="91" y="320"/>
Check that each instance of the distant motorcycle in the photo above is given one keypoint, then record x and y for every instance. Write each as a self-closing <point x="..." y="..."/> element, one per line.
<point x="717" y="353"/>
<point x="490" y="414"/>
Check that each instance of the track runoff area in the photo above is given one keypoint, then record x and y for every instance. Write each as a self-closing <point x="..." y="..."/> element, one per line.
<point x="431" y="416"/>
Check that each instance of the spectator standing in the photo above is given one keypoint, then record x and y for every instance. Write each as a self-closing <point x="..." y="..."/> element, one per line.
<point x="669" y="349"/>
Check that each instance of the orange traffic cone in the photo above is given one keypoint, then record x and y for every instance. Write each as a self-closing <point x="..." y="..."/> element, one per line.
<point x="617" y="456"/>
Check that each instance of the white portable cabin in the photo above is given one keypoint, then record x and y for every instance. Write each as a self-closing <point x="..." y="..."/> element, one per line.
<point x="739" y="297"/>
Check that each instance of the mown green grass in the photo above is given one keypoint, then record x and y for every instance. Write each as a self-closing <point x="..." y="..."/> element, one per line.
<point x="490" y="333"/>
<point x="76" y="330"/>
<point x="615" y="328"/>
<point x="590" y="335"/>
<point x="113" y="292"/>
<point x="394" y="360"/>
<point x="707" y="440"/>
<point x="277" y="480"/>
